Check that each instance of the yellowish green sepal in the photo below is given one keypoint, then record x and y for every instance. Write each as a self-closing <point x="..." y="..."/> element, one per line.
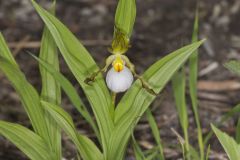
<point x="120" y="43"/>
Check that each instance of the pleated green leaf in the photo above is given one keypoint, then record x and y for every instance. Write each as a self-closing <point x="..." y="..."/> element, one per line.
<point x="135" y="102"/>
<point x="82" y="66"/>
<point x="71" y="93"/>
<point x="229" y="144"/>
<point x="85" y="146"/>
<point x="51" y="91"/>
<point x="28" y="96"/>
<point x="156" y="133"/>
<point x="27" y="141"/>
<point x="125" y="16"/>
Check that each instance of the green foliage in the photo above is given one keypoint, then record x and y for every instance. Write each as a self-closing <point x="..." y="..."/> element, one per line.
<point x="28" y="96"/>
<point x="85" y="146"/>
<point x="139" y="155"/>
<point x="115" y="134"/>
<point x="82" y="65"/>
<point x="233" y="66"/>
<point x="135" y="102"/>
<point x="45" y="113"/>
<point x="229" y="144"/>
<point x="193" y="76"/>
<point x="208" y="151"/>
<point x="229" y="114"/>
<point x="51" y="90"/>
<point x="179" y="86"/>
<point x="125" y="16"/>
<point x="179" y="90"/>
<point x="124" y="22"/>
<point x="5" y="52"/>
<point x="27" y="141"/>
<point x="71" y="93"/>
<point x="156" y="133"/>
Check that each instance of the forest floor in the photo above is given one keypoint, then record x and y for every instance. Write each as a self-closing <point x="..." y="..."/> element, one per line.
<point x="162" y="26"/>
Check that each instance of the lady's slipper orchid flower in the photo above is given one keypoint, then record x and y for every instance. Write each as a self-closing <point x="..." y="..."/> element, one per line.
<point x="120" y="76"/>
<point x="119" y="80"/>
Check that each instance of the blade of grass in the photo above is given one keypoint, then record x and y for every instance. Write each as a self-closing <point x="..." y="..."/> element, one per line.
<point x="85" y="146"/>
<point x="179" y="90"/>
<point x="50" y="88"/>
<point x="193" y="74"/>
<point x="136" y="100"/>
<point x="82" y="66"/>
<point x="27" y="141"/>
<point x="208" y="152"/>
<point x="224" y="118"/>
<point x="194" y="153"/>
<point x="139" y="155"/>
<point x="151" y="151"/>
<point x="152" y="155"/>
<point x="156" y="133"/>
<point x="71" y="93"/>
<point x="230" y="146"/>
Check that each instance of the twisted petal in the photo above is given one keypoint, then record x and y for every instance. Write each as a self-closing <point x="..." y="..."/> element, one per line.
<point x="119" y="81"/>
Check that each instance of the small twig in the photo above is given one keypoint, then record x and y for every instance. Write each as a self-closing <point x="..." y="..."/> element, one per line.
<point x="20" y="45"/>
<point x="180" y="138"/>
<point x="217" y="86"/>
<point x="213" y="96"/>
<point x="211" y="67"/>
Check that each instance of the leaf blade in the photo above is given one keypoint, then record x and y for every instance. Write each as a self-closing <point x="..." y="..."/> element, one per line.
<point x="230" y="146"/>
<point x="84" y="145"/>
<point x="139" y="155"/>
<point x="27" y="141"/>
<point x="193" y="77"/>
<point x="156" y="133"/>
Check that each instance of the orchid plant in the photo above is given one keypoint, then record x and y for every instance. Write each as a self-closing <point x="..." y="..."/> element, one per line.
<point x="114" y="122"/>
